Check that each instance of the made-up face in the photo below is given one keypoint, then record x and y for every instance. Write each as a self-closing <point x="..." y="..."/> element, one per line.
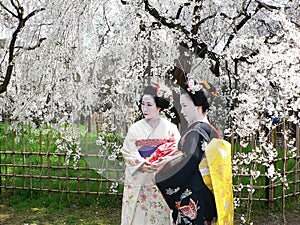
<point x="188" y="109"/>
<point x="149" y="107"/>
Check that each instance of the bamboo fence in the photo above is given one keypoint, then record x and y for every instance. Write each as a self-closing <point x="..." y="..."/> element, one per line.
<point x="37" y="166"/>
<point x="267" y="189"/>
<point x="29" y="161"/>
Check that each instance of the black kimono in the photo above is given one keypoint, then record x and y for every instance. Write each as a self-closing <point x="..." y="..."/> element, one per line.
<point x="182" y="185"/>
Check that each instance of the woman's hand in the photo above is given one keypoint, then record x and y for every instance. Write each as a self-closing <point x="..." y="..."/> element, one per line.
<point x="160" y="164"/>
<point x="148" y="167"/>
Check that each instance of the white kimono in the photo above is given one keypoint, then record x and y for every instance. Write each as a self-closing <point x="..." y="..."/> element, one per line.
<point x="142" y="201"/>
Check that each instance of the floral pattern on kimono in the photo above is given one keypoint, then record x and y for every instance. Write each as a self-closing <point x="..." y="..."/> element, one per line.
<point x="142" y="201"/>
<point x="187" y="213"/>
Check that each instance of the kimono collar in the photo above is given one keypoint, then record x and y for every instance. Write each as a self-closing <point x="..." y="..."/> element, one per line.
<point x="154" y="121"/>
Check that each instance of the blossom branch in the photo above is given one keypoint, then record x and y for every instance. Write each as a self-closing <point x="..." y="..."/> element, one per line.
<point x="11" y="50"/>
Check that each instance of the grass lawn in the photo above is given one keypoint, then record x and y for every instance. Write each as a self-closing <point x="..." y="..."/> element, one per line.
<point x="36" y="209"/>
<point x="58" y="210"/>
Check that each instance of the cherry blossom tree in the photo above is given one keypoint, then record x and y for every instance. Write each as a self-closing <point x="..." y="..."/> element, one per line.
<point x="63" y="60"/>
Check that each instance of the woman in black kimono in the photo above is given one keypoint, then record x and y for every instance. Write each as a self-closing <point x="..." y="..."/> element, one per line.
<point x="181" y="184"/>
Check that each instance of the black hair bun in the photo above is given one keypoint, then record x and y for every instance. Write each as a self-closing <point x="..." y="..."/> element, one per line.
<point x="157" y="93"/>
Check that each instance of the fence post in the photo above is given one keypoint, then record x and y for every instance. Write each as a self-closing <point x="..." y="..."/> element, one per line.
<point x="4" y="136"/>
<point x="284" y="172"/>
<point x="296" y="170"/>
<point x="270" y="191"/>
<point x="13" y="159"/>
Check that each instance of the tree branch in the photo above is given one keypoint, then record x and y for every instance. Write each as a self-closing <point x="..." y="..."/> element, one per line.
<point x="33" y="13"/>
<point x="268" y="6"/>
<point x="106" y="32"/>
<point x="34" y="46"/>
<point x="124" y="2"/>
<point x="199" y="49"/>
<point x="14" y="5"/>
<point x="11" y="48"/>
<point x="180" y="9"/>
<point x="153" y="12"/>
<point x="7" y="9"/>
<point x="240" y="25"/>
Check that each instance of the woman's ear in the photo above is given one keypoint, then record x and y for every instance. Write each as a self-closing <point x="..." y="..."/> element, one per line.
<point x="199" y="108"/>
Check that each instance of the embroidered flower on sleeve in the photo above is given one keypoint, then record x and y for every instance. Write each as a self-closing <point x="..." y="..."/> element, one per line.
<point x="186" y="194"/>
<point x="170" y="191"/>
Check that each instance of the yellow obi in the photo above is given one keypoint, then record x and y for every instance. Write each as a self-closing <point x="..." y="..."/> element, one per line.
<point x="216" y="171"/>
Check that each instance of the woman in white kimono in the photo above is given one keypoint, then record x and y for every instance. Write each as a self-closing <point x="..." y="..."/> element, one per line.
<point x="142" y="201"/>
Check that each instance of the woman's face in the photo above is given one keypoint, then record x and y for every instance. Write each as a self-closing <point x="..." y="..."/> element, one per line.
<point x="188" y="109"/>
<point x="149" y="107"/>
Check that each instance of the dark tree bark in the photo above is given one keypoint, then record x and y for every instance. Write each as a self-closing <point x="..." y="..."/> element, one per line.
<point x="11" y="50"/>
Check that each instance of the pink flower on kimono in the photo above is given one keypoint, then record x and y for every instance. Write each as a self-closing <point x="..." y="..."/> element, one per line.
<point x="143" y="196"/>
<point x="129" y="186"/>
<point x="137" y="161"/>
<point x="143" y="207"/>
<point x="155" y="195"/>
<point x="152" y="218"/>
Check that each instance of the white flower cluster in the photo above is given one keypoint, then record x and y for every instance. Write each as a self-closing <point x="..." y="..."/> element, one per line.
<point x="192" y="87"/>
<point x="163" y="91"/>
<point x="69" y="143"/>
<point x="114" y="187"/>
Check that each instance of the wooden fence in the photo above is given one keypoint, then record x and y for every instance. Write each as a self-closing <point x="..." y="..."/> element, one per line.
<point x="29" y="160"/>
<point x="286" y="161"/>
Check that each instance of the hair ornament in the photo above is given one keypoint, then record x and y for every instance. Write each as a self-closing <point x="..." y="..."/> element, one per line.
<point x="212" y="91"/>
<point x="162" y="90"/>
<point x="192" y="87"/>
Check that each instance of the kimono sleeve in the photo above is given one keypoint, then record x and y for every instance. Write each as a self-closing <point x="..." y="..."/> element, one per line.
<point x="175" y="133"/>
<point x="132" y="157"/>
<point x="193" y="153"/>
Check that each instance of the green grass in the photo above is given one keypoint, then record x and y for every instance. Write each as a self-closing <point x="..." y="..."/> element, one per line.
<point x="262" y="213"/>
<point x="24" y="207"/>
<point x="37" y="208"/>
